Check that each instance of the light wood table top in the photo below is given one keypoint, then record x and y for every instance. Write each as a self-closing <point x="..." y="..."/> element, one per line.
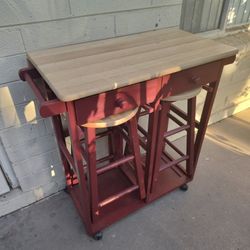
<point x="85" y="69"/>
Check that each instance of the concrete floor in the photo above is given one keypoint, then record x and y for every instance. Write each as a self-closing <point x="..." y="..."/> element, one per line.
<point x="213" y="214"/>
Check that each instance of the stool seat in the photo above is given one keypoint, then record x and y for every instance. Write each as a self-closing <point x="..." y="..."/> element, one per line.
<point x="116" y="159"/>
<point x="183" y="96"/>
<point x="113" y="120"/>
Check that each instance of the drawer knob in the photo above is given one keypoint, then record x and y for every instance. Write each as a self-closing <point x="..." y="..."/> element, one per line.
<point x="120" y="103"/>
<point x="196" y="80"/>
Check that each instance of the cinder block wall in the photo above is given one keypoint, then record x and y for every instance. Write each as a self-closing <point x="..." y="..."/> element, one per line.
<point x="233" y="93"/>
<point x="31" y="25"/>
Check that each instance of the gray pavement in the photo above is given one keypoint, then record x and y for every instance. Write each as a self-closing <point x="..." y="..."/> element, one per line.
<point x="213" y="214"/>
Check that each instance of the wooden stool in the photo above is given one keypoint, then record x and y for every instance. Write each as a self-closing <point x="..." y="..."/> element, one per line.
<point x="115" y="131"/>
<point x="164" y="133"/>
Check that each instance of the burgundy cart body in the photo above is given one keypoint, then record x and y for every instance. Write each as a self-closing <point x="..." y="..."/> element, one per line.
<point x="94" y="80"/>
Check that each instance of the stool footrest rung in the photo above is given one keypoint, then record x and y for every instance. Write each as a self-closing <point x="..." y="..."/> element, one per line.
<point x="106" y="158"/>
<point x="178" y="111"/>
<point x="174" y="119"/>
<point x="182" y="114"/>
<point x="114" y="164"/>
<point x="125" y="136"/>
<point x="98" y="135"/>
<point x="174" y="162"/>
<point x="143" y="142"/>
<point x="176" y="130"/>
<point x="142" y="130"/>
<point x="177" y="150"/>
<point x="117" y="196"/>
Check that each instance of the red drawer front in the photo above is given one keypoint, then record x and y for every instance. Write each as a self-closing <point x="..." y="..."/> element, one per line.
<point x="116" y="101"/>
<point x="192" y="78"/>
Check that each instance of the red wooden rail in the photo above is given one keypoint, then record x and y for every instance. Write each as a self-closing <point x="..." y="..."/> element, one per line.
<point x="47" y="107"/>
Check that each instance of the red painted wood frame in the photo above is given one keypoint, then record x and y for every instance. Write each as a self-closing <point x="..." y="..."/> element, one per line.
<point x="112" y="102"/>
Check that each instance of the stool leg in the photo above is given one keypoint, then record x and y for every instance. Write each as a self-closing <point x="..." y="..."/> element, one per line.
<point x="90" y="142"/>
<point x="117" y="142"/>
<point x="190" y="136"/>
<point x="150" y="150"/>
<point x="135" y="148"/>
<point x="110" y="145"/>
<point x="163" y="124"/>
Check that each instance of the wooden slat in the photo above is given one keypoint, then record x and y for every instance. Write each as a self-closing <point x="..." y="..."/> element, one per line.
<point x="79" y="67"/>
<point x="81" y="70"/>
<point x="116" y="54"/>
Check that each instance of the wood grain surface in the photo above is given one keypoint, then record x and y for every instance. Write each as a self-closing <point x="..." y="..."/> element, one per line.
<point x="85" y="69"/>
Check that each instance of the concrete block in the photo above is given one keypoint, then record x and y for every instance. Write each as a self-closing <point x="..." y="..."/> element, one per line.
<point x="11" y="42"/>
<point x="236" y="92"/>
<point x="26" y="11"/>
<point x="43" y="161"/>
<point x="19" y="135"/>
<point x="234" y="88"/>
<point x="14" y="116"/>
<point x="49" y="188"/>
<point x="239" y="40"/>
<point x="49" y="125"/>
<point x="236" y="72"/>
<point x="241" y="75"/>
<point x="31" y="148"/>
<point x="245" y="60"/>
<point x="228" y="72"/>
<point x="9" y="67"/>
<point x="17" y="199"/>
<point x="70" y="31"/>
<point x="147" y="19"/>
<point x="166" y="2"/>
<point x="45" y="176"/>
<point x="15" y="93"/>
<point x="87" y="7"/>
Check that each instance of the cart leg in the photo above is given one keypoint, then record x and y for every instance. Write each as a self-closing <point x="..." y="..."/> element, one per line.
<point x="190" y="138"/>
<point x="163" y="124"/>
<point x="117" y="143"/>
<point x="150" y="151"/>
<point x="91" y="160"/>
<point x="83" y="202"/>
<point x="207" y="108"/>
<point x="110" y="145"/>
<point x="135" y="148"/>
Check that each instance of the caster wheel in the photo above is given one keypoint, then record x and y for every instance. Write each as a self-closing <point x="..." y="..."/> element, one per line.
<point x="184" y="187"/>
<point x="98" y="236"/>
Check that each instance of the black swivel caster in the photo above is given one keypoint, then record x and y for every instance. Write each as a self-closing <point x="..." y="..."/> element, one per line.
<point x="98" y="236"/>
<point x="184" y="187"/>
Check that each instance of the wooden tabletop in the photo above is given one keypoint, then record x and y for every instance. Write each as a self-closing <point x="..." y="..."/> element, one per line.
<point x="85" y="69"/>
